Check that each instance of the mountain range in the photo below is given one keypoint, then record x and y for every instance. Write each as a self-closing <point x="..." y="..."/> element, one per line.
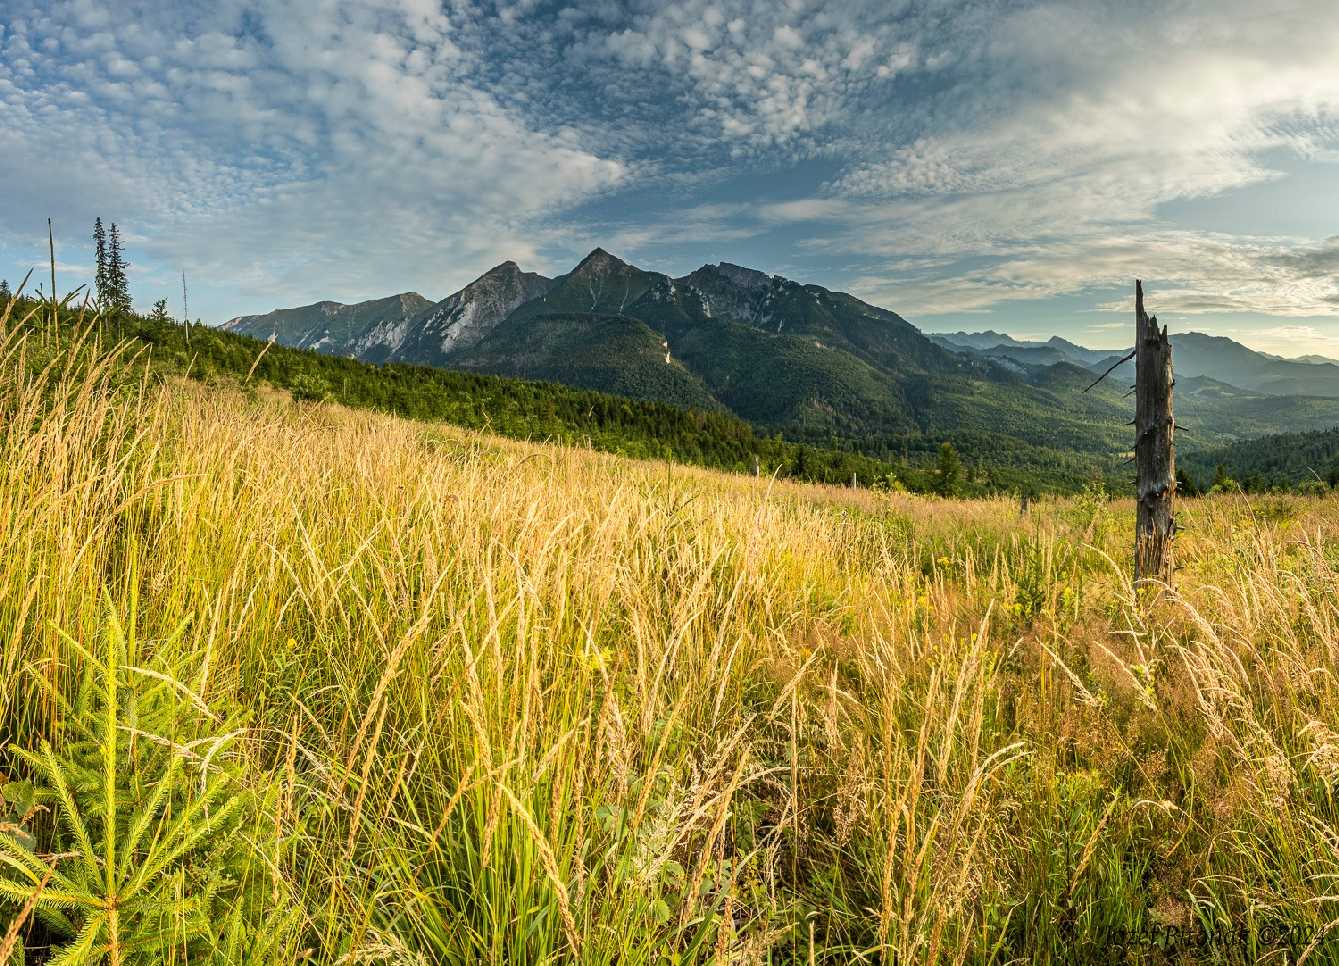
<point x="1195" y="354"/>
<point x="808" y="363"/>
<point x="723" y="337"/>
<point x="997" y="345"/>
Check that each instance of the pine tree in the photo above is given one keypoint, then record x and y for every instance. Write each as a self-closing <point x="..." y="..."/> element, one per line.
<point x="948" y="472"/>
<point x="1222" y="483"/>
<point x="1185" y="485"/>
<point x="118" y="288"/>
<point x="160" y="311"/>
<point x="100" y="254"/>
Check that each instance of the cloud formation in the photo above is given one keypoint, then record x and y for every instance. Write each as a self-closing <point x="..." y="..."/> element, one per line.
<point x="272" y="143"/>
<point x="1075" y="129"/>
<point x="937" y="156"/>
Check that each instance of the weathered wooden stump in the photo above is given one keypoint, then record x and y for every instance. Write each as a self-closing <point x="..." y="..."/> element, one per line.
<point x="1154" y="447"/>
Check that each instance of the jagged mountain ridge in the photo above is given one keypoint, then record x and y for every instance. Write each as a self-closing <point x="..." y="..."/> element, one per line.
<point x="778" y="353"/>
<point x="794" y="358"/>
<point x="997" y="345"/>
<point x="716" y="296"/>
<point x="402" y="328"/>
<point x="601" y="284"/>
<point x="331" y="327"/>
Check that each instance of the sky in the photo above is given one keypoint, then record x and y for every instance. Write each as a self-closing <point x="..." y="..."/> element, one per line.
<point x="969" y="164"/>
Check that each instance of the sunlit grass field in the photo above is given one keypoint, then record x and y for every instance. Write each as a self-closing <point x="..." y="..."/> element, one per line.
<point x="289" y="682"/>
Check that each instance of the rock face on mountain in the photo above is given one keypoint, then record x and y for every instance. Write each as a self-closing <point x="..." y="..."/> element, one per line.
<point x="331" y="327"/>
<point x="459" y="321"/>
<point x="402" y="328"/>
<point x="600" y="284"/>
<point x="732" y="292"/>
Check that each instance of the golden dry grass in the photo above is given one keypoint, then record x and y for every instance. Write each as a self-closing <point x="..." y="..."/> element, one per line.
<point x="508" y="703"/>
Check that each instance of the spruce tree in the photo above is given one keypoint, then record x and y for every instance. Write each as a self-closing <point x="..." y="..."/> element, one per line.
<point x="948" y="472"/>
<point x="100" y="254"/>
<point x="5" y="294"/>
<point x="1222" y="483"/>
<point x="118" y="288"/>
<point x="160" y="311"/>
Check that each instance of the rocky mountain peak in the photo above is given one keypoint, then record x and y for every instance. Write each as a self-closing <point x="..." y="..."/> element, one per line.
<point x="459" y="320"/>
<point x="505" y="270"/>
<point x="732" y="291"/>
<point x="746" y="278"/>
<point x="597" y="262"/>
<point x="498" y="275"/>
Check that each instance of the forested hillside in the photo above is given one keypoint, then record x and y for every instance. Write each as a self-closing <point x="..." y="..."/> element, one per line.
<point x="1307" y="461"/>
<point x="517" y="408"/>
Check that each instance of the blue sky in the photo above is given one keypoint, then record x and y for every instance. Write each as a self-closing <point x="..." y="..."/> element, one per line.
<point x="969" y="164"/>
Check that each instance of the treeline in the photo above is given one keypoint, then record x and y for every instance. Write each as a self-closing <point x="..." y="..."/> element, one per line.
<point x="515" y="408"/>
<point x="833" y="444"/>
<point x="1307" y="462"/>
<point x="518" y="409"/>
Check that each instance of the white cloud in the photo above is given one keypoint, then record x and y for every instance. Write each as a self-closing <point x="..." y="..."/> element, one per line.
<point x="1051" y="165"/>
<point x="339" y="142"/>
<point x="1300" y="333"/>
<point x="767" y="76"/>
<point x="1193" y="273"/>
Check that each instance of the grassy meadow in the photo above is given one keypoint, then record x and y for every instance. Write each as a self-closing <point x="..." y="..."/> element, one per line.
<point x="289" y="682"/>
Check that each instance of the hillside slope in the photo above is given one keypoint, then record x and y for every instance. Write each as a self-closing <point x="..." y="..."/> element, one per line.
<point x="356" y="688"/>
<point x="610" y="353"/>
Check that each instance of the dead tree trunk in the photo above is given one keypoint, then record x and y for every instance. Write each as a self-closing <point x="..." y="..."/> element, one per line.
<point x="1154" y="450"/>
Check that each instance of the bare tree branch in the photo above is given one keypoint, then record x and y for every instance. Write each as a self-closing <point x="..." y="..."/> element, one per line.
<point x="1112" y="369"/>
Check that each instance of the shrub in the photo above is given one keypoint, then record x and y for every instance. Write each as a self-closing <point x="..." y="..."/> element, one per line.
<point x="308" y="388"/>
